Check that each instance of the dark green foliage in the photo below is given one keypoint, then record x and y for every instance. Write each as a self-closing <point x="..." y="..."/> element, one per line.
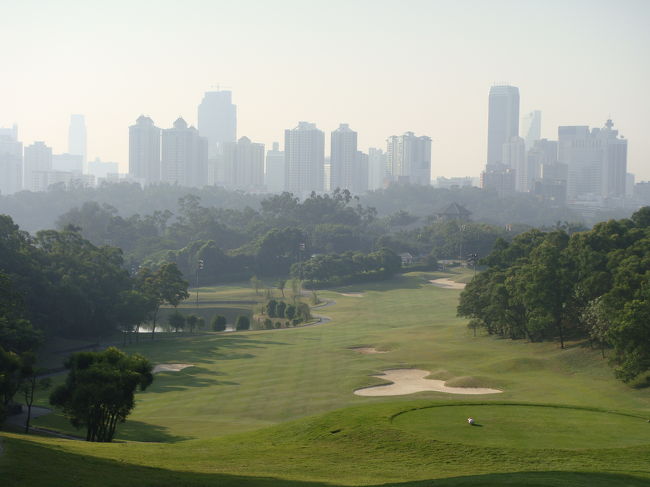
<point x="271" y="306"/>
<point x="280" y="309"/>
<point x="594" y="284"/>
<point x="99" y="390"/>
<point x="242" y="323"/>
<point x="176" y="321"/>
<point x="290" y="311"/>
<point x="268" y="324"/>
<point x="219" y="323"/>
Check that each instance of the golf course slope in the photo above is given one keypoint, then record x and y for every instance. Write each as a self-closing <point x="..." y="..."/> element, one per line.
<point x="404" y="443"/>
<point x="277" y="407"/>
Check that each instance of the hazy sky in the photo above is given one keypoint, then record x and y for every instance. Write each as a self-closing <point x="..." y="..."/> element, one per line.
<point x="384" y="67"/>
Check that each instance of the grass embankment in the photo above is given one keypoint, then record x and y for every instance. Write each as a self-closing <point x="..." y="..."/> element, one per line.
<point x="244" y="381"/>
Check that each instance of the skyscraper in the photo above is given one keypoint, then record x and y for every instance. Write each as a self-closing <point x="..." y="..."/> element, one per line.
<point x="77" y="137"/>
<point x="503" y="121"/>
<point x="597" y="161"/>
<point x="11" y="161"/>
<point x="409" y="158"/>
<point x="304" y="155"/>
<point x="217" y="120"/>
<point x="184" y="154"/>
<point x="514" y="157"/>
<point x="274" y="174"/>
<point x="38" y="160"/>
<point x="343" y="158"/>
<point x="531" y="128"/>
<point x="144" y="151"/>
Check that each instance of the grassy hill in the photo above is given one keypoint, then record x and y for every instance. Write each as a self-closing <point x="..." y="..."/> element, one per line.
<point x="277" y="407"/>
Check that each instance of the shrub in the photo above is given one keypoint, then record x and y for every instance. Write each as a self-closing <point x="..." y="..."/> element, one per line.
<point x="290" y="312"/>
<point x="271" y="308"/>
<point x="219" y="323"/>
<point x="280" y="309"/>
<point x="278" y="324"/>
<point x="268" y="324"/>
<point x="242" y="323"/>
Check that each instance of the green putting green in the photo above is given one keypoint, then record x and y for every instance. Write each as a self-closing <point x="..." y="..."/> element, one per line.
<point x="521" y="426"/>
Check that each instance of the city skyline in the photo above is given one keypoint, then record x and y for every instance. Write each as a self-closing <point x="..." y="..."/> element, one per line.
<point x="468" y="46"/>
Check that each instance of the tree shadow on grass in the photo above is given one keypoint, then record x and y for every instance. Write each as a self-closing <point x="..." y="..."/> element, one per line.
<point x="145" y="432"/>
<point x="29" y="464"/>
<point x="186" y="379"/>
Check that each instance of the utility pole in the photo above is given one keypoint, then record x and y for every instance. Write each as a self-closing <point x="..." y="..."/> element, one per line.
<point x="198" y="268"/>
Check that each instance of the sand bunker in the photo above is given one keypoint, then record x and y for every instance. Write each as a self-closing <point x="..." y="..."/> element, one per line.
<point x="367" y="350"/>
<point x="170" y="367"/>
<point x="410" y="381"/>
<point x="447" y="283"/>
<point x="352" y="295"/>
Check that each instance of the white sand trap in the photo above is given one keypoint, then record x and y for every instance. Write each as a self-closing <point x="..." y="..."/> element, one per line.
<point x="447" y="283"/>
<point x="367" y="350"/>
<point x="352" y="295"/>
<point x="410" y="381"/>
<point x="170" y="367"/>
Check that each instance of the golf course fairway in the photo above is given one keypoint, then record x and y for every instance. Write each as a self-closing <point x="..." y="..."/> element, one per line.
<point x="277" y="407"/>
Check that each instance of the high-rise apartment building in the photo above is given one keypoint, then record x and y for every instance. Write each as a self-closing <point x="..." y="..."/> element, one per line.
<point x="531" y="128"/>
<point x="360" y="179"/>
<point x="72" y="163"/>
<point x="503" y="121"/>
<point x="343" y="159"/>
<point x="274" y="173"/>
<point x="184" y="156"/>
<point x="596" y="159"/>
<point x="514" y="157"/>
<point x="408" y="158"/>
<point x="217" y="120"/>
<point x="77" y="137"/>
<point x="243" y="165"/>
<point x="304" y="155"/>
<point x="38" y="159"/>
<point x="11" y="161"/>
<point x="144" y="151"/>
<point x="376" y="168"/>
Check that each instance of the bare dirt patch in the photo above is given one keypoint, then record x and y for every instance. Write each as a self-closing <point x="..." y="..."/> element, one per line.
<point x="170" y="367"/>
<point x="447" y="283"/>
<point x="367" y="350"/>
<point x="410" y="381"/>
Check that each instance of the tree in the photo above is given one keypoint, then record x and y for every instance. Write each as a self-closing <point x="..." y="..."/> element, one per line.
<point x="280" y="309"/>
<point x="219" y="323"/>
<point x="99" y="390"/>
<point x="176" y="321"/>
<point x="192" y="322"/>
<point x="242" y="323"/>
<point x="166" y="285"/>
<point x="290" y="312"/>
<point x="30" y="385"/>
<point x="271" y="308"/>
<point x="256" y="284"/>
<point x="280" y="285"/>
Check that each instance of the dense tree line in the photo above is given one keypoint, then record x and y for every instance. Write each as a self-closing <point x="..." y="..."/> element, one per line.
<point x="555" y="286"/>
<point x="234" y="244"/>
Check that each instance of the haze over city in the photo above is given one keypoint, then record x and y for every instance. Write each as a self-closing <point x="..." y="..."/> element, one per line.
<point x="382" y="67"/>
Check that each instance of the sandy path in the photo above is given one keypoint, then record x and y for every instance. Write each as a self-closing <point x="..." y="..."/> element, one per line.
<point x="170" y="367"/>
<point x="447" y="283"/>
<point x="410" y="381"/>
<point x="352" y="295"/>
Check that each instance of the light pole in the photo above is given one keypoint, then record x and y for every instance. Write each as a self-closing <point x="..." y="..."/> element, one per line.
<point x="198" y="268"/>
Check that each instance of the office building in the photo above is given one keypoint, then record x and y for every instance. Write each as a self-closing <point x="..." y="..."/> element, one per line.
<point x="144" y="151"/>
<point x="408" y="158"/>
<point x="77" y="137"/>
<point x="274" y="173"/>
<point x="184" y="156"/>
<point x="531" y="128"/>
<point x="304" y="155"/>
<point x="503" y="121"/>
<point x="597" y="162"/>
<point x="102" y="170"/>
<point x="68" y="163"/>
<point x="217" y="120"/>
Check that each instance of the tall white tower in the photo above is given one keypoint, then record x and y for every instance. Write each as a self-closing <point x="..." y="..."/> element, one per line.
<point x="77" y="137"/>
